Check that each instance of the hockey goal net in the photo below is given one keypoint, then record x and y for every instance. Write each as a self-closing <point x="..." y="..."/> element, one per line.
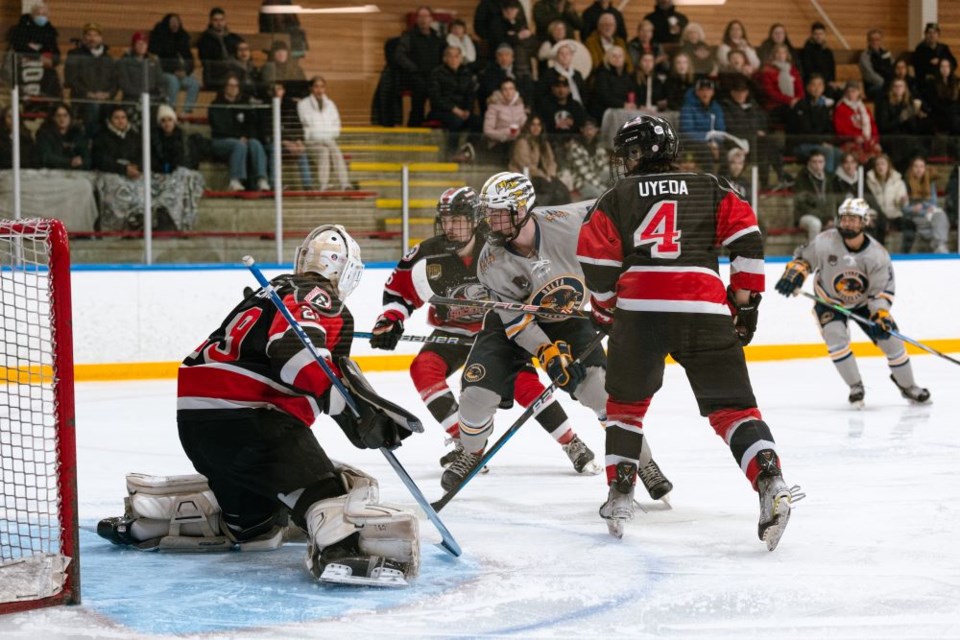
<point x="39" y="562"/>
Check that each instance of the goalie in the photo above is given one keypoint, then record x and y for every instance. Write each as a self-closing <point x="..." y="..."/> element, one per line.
<point x="247" y="397"/>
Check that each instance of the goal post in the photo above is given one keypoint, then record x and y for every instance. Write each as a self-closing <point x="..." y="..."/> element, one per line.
<point x="39" y="536"/>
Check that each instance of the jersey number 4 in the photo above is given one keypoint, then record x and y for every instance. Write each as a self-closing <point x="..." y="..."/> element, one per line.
<point x="659" y="230"/>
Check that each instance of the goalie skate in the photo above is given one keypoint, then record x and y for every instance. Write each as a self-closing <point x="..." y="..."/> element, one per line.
<point x="373" y="571"/>
<point x="582" y="457"/>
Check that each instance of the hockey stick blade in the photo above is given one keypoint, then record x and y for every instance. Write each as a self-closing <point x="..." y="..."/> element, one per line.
<point x="448" y="543"/>
<point x="534" y="407"/>
<point x="870" y="323"/>
<point x="452" y="340"/>
<point x="548" y="313"/>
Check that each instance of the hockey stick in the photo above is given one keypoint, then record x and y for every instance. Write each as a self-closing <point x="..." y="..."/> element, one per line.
<point x="448" y="543"/>
<point x="870" y="323"/>
<point x="535" y="406"/>
<point x="453" y="340"/>
<point x="533" y="309"/>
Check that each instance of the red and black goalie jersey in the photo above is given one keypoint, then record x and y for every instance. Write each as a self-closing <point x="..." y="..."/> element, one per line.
<point x="430" y="269"/>
<point x="255" y="361"/>
<point x="652" y="244"/>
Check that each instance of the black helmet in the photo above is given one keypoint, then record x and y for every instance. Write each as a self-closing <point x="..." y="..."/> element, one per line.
<point x="459" y="202"/>
<point x="650" y="141"/>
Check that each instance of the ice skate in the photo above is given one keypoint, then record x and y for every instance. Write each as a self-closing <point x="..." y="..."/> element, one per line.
<point x="620" y="505"/>
<point x="915" y="394"/>
<point x="581" y="456"/>
<point x="655" y="482"/>
<point x="775" y="499"/>
<point x="451" y="455"/>
<point x="459" y="468"/>
<point x="856" y="395"/>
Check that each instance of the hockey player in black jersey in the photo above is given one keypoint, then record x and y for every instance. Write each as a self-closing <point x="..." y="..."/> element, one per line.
<point x="247" y="399"/>
<point x="649" y="250"/>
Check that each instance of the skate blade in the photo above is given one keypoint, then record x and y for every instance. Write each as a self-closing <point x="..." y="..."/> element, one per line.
<point x="615" y="527"/>
<point x="341" y="574"/>
<point x="858" y="405"/>
<point x="772" y="534"/>
<point x="591" y="469"/>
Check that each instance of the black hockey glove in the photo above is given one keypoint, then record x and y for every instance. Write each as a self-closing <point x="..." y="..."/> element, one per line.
<point x="372" y="429"/>
<point x="387" y="331"/>
<point x="557" y="360"/>
<point x="744" y="316"/>
<point x="884" y="321"/>
<point x="793" y="277"/>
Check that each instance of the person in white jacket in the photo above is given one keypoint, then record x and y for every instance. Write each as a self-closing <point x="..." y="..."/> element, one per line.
<point x="887" y="186"/>
<point x="321" y="128"/>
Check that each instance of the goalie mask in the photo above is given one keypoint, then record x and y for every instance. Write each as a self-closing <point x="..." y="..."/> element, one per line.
<point x="644" y="144"/>
<point x="852" y="217"/>
<point x="329" y="251"/>
<point x="458" y="212"/>
<point x="506" y="201"/>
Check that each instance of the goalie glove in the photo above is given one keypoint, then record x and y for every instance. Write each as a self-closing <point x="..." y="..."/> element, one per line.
<point x="883" y="320"/>
<point x="744" y="315"/>
<point x="793" y="277"/>
<point x="557" y="360"/>
<point x="387" y="331"/>
<point x="372" y="429"/>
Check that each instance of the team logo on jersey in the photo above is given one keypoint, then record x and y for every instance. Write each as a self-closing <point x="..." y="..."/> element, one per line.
<point x="319" y="298"/>
<point x="564" y="293"/>
<point x="474" y="373"/>
<point x="434" y="271"/>
<point x="851" y="286"/>
<point x="470" y="291"/>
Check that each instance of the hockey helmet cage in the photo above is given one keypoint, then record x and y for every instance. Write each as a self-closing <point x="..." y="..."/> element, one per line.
<point x="856" y="207"/>
<point x="507" y="191"/>
<point x="329" y="251"/>
<point x="458" y="202"/>
<point x="643" y="143"/>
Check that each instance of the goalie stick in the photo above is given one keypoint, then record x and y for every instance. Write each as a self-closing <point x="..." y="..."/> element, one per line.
<point x="535" y="406"/>
<point x="454" y="340"/>
<point x="550" y="313"/>
<point x="870" y="323"/>
<point x="447" y="543"/>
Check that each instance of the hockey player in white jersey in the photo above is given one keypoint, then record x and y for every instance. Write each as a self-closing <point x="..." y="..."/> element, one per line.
<point x="530" y="257"/>
<point x="853" y="270"/>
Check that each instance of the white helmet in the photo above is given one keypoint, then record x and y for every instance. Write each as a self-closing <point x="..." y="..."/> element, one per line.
<point x="512" y="191"/>
<point x="853" y="207"/>
<point x="330" y="252"/>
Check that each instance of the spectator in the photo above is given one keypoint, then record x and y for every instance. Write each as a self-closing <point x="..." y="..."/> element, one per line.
<point x="889" y="191"/>
<point x="487" y="13"/>
<point x="321" y="128"/>
<point x="588" y="162"/>
<point x="900" y="120"/>
<point x="556" y="32"/>
<point x="533" y="156"/>
<point x="28" y="158"/>
<point x="453" y="94"/>
<point x="846" y="184"/>
<point x="512" y="29"/>
<point x="746" y="120"/>
<point x="419" y="51"/>
<point x="591" y="19"/>
<point x="559" y="111"/>
<point x="250" y="77"/>
<point x="118" y="157"/>
<point x="876" y="65"/>
<point x="140" y="71"/>
<point x="171" y="44"/>
<point x="812" y="198"/>
<point x="36" y="54"/>
<point x="288" y="23"/>
<point x="810" y="125"/>
<point x="951" y="199"/>
<point x="679" y="81"/>
<point x="734" y="171"/>
<point x="603" y="39"/>
<point x="504" y="118"/>
<point x="613" y="85"/>
<point x="780" y="83"/>
<point x="737" y="67"/>
<point x="458" y="37"/>
<point x="233" y="127"/>
<point x="562" y="65"/>
<point x="694" y="44"/>
<point x="929" y="220"/>
<point x="91" y="75"/>
<point x="700" y="120"/>
<point x="943" y="99"/>
<point x="649" y="87"/>
<point x="644" y="43"/>
<point x="292" y="145"/>
<point x="61" y="144"/>
<point x="817" y="57"/>
<point x="735" y="39"/>
<point x="545" y="12"/>
<point x="668" y="23"/>
<point x="901" y="71"/>
<point x="776" y="36"/>
<point x="176" y="185"/>
<point x="280" y="67"/>
<point x="217" y="47"/>
<point x="503" y="69"/>
<point x="854" y="124"/>
<point x="929" y="52"/>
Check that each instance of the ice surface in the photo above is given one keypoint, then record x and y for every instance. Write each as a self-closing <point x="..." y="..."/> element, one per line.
<point x="872" y="552"/>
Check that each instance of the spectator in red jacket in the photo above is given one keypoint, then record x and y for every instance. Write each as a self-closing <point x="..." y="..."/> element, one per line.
<point x="780" y="83"/>
<point x="854" y="124"/>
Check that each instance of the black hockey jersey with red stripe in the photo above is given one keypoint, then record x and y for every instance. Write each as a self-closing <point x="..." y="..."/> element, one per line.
<point x="254" y="360"/>
<point x="430" y="269"/>
<point x="652" y="244"/>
